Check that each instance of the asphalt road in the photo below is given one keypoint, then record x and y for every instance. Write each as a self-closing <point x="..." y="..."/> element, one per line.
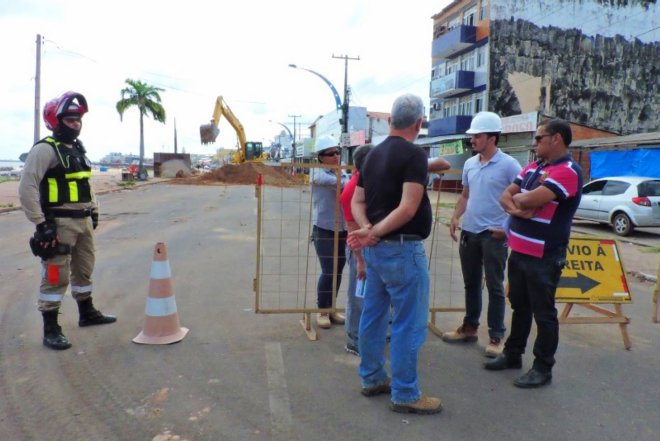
<point x="245" y="376"/>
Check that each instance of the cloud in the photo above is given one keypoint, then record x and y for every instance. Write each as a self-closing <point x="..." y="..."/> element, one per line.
<point x="198" y="50"/>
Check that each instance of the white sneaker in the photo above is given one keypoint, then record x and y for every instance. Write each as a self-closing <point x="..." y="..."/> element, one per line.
<point x="323" y="320"/>
<point x="337" y="318"/>
<point x="495" y="347"/>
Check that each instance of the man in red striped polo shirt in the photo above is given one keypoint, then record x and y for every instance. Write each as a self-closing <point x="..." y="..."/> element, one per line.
<point x="541" y="201"/>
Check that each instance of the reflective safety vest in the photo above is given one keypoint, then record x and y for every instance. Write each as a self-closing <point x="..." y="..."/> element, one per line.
<point x="68" y="182"/>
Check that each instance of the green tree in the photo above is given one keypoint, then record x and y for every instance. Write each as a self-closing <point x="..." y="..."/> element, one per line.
<point x="147" y="99"/>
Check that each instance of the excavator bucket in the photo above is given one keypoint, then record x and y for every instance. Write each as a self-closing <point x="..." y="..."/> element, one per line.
<point x="208" y="133"/>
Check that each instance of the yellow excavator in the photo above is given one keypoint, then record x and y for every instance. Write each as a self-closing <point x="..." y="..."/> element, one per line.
<point x="248" y="150"/>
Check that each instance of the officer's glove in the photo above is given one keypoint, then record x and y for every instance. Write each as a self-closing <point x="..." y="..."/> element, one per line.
<point x="46" y="231"/>
<point x="44" y="242"/>
<point x="95" y="219"/>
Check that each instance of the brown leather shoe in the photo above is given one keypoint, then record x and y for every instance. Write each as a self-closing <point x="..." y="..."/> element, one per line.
<point x="465" y="333"/>
<point x="424" y="406"/>
<point x="383" y="388"/>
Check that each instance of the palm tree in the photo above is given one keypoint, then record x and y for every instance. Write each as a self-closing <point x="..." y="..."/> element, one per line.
<point x="147" y="100"/>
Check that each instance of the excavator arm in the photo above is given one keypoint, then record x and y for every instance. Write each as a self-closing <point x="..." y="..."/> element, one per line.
<point x="209" y="132"/>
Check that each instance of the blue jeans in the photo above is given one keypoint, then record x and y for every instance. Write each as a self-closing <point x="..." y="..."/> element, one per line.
<point x="353" y="303"/>
<point x="324" y="244"/>
<point x="532" y="286"/>
<point x="483" y="253"/>
<point x="397" y="275"/>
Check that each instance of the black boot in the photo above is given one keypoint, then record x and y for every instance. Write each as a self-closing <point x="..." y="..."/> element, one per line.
<point x="90" y="316"/>
<point x="53" y="337"/>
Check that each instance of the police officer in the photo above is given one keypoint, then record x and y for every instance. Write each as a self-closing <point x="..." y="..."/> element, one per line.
<point x="57" y="196"/>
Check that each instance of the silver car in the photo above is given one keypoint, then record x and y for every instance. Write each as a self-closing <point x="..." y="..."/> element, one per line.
<point x="624" y="202"/>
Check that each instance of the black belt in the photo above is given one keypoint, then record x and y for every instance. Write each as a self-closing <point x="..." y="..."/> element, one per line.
<point x="401" y="238"/>
<point x="76" y="214"/>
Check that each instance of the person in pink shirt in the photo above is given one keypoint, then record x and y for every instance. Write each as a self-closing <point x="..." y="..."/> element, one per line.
<point x="356" y="263"/>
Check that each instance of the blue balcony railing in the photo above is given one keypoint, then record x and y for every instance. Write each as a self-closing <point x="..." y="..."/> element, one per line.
<point x="452" y="84"/>
<point x="454" y="41"/>
<point x="450" y="125"/>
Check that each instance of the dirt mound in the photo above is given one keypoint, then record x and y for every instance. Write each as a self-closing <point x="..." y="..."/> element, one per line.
<point x="246" y="174"/>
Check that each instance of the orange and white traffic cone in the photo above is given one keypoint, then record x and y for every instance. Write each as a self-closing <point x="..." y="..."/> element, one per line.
<point x="161" y="323"/>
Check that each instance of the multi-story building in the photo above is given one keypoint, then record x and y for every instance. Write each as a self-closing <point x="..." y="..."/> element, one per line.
<point x="459" y="78"/>
<point x="363" y="127"/>
<point x="594" y="63"/>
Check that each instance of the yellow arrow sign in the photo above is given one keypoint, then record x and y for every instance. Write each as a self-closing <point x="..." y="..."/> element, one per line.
<point x="593" y="273"/>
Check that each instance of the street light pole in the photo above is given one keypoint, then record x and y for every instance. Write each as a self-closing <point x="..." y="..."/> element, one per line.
<point x="285" y="127"/>
<point x="332" y="88"/>
<point x="37" y="90"/>
<point x="345" y="136"/>
<point x="291" y="136"/>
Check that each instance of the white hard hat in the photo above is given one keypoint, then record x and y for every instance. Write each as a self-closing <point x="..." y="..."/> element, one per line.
<point x="485" y="122"/>
<point x="325" y="142"/>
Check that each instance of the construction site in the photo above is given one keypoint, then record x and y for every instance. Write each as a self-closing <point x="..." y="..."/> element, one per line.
<point x="248" y="364"/>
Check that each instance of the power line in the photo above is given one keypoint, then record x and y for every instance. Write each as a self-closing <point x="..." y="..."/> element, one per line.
<point x="650" y="30"/>
<point x="626" y="18"/>
<point x="69" y="52"/>
<point x="542" y="16"/>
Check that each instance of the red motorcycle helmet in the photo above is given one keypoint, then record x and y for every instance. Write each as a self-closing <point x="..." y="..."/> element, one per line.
<point x="69" y="103"/>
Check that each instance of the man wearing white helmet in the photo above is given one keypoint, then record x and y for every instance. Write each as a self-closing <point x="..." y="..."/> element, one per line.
<point x="483" y="245"/>
<point x="326" y="220"/>
<point x="57" y="196"/>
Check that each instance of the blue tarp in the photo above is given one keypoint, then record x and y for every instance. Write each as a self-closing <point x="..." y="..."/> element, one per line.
<point x="638" y="162"/>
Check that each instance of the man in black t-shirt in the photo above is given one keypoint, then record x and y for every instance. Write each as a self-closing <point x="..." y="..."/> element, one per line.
<point x="393" y="210"/>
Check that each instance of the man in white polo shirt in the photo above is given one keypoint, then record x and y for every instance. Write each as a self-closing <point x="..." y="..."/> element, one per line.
<point x="483" y="245"/>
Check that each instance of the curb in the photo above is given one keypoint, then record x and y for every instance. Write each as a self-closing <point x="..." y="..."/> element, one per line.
<point x="99" y="193"/>
<point x="631" y="240"/>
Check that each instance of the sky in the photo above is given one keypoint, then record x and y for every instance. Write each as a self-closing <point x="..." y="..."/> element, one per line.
<point x="198" y="50"/>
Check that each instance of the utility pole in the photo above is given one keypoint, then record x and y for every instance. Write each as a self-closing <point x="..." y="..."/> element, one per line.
<point x="345" y="136"/>
<point x="293" y="145"/>
<point x="37" y="91"/>
<point x="175" y="141"/>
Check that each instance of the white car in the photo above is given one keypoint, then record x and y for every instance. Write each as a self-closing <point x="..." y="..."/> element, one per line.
<point x="624" y="202"/>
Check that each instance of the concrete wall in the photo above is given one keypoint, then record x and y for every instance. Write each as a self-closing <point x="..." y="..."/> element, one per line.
<point x="587" y="61"/>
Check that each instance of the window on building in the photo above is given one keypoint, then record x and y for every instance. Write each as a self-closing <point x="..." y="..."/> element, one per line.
<point x="465" y="106"/>
<point x="451" y="67"/>
<point x="439" y="29"/>
<point x="483" y="10"/>
<point x="469" y="16"/>
<point x="479" y="103"/>
<point x="467" y="62"/>
<point x="449" y="108"/>
<point x="454" y="22"/>
<point x="440" y="70"/>
<point x="481" y="56"/>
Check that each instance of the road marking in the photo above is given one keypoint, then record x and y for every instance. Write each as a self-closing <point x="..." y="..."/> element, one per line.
<point x="278" y="394"/>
